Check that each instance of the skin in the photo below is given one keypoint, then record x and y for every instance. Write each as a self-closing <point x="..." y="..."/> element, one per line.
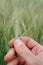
<point x="24" y="51"/>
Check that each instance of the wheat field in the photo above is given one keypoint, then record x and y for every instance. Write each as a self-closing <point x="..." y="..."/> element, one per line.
<point x="20" y="18"/>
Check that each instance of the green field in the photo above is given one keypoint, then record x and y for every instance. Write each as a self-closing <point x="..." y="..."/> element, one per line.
<point x="20" y="18"/>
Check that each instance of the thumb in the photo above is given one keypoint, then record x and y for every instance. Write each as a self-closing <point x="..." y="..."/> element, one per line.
<point x="24" y="52"/>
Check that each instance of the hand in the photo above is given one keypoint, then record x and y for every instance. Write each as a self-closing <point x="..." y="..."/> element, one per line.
<point x="28" y="52"/>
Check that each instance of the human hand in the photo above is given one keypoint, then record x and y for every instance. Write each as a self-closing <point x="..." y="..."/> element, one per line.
<point x="28" y="52"/>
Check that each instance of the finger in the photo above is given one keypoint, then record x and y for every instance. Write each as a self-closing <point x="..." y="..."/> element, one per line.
<point x="17" y="61"/>
<point x="30" y="42"/>
<point x="11" y="42"/>
<point x="10" y="55"/>
<point x="14" y="62"/>
<point x="33" y="45"/>
<point x="24" y="39"/>
<point x="27" y="40"/>
<point x="23" y="51"/>
<point x="21" y="60"/>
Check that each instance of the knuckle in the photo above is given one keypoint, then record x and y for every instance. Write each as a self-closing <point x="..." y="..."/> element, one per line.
<point x="21" y="49"/>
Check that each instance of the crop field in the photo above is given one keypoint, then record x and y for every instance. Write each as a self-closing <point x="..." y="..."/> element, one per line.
<point x="20" y="18"/>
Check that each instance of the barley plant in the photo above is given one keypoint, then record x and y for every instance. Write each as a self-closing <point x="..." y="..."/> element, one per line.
<point x="20" y="18"/>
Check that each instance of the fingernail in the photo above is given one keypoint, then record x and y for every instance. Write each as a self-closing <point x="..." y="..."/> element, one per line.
<point x="18" y="42"/>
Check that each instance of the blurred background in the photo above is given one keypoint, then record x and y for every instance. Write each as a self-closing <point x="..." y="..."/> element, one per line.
<point x="20" y="18"/>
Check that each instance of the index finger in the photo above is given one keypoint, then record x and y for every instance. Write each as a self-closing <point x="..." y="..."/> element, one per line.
<point x="27" y="40"/>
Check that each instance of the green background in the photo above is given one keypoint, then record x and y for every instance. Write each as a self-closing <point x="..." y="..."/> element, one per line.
<point x="20" y="18"/>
